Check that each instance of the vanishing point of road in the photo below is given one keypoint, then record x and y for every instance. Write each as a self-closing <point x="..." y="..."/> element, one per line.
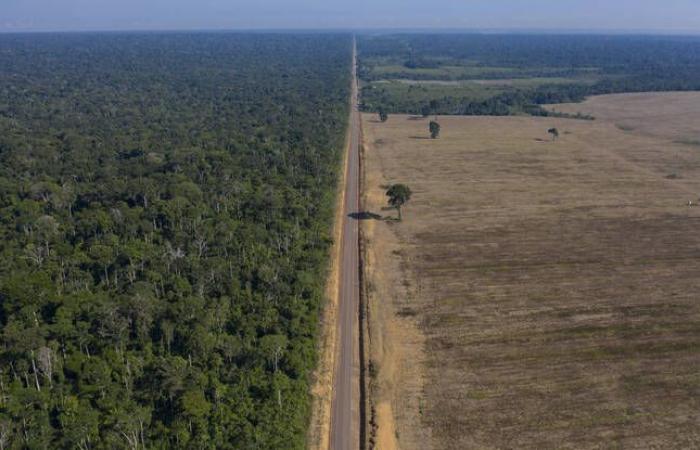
<point x="345" y="414"/>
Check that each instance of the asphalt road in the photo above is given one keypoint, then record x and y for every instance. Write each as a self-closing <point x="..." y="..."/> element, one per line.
<point x="345" y="414"/>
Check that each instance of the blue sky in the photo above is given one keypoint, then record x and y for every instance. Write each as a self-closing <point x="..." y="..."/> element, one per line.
<point x="650" y="15"/>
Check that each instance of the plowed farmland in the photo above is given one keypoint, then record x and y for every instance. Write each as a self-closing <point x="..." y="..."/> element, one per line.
<point x="539" y="293"/>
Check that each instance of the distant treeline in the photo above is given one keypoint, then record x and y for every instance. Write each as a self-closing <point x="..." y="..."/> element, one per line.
<point x="611" y="53"/>
<point x="621" y="64"/>
<point x="165" y="211"/>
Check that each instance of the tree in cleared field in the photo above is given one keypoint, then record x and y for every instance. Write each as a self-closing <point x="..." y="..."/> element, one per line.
<point x="383" y="116"/>
<point x="554" y="132"/>
<point x="399" y="194"/>
<point x="434" y="130"/>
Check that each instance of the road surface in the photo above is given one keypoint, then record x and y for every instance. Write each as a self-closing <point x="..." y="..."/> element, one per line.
<point x="345" y="413"/>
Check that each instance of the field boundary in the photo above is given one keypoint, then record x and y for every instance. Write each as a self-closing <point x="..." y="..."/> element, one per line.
<point x="367" y="409"/>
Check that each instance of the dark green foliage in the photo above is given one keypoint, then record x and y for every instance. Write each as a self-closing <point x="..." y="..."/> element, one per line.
<point x="399" y="194"/>
<point x="554" y="132"/>
<point x="383" y="116"/>
<point x="538" y="55"/>
<point x="434" y="128"/>
<point x="165" y="206"/>
<point x="594" y="64"/>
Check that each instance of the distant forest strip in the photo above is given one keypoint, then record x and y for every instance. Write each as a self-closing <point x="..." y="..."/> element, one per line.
<point x="165" y="210"/>
<point x="617" y="64"/>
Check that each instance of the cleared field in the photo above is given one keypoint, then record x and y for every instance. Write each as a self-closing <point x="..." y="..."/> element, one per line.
<point x="446" y="71"/>
<point x="401" y="91"/>
<point x="538" y="294"/>
<point x="669" y="115"/>
<point x="497" y="82"/>
<point x="459" y="70"/>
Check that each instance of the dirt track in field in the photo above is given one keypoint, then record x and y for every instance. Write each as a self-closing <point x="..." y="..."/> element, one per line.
<point x="538" y="294"/>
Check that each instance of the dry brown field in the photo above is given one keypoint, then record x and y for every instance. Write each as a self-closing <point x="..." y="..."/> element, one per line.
<point x="670" y="115"/>
<point x="538" y="294"/>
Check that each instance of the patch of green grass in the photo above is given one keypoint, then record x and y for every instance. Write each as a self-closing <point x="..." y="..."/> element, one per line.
<point x="478" y="395"/>
<point x="450" y="72"/>
<point x="541" y="81"/>
<point x="424" y="92"/>
<point x="446" y="69"/>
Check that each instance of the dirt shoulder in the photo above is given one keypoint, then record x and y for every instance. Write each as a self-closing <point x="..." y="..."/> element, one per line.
<point x="322" y="388"/>
<point x="397" y="355"/>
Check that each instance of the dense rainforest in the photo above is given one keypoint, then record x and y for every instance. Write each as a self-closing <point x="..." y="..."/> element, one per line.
<point x="165" y="210"/>
<point x="561" y="68"/>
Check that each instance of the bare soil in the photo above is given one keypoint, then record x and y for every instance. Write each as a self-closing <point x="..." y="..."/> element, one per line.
<point x="538" y="294"/>
<point x="669" y="115"/>
<point x="396" y="343"/>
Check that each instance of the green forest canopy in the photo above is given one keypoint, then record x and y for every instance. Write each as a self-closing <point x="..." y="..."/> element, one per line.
<point x="165" y="205"/>
<point x="562" y="68"/>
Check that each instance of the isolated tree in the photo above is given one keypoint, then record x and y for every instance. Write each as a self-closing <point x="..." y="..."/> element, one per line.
<point x="383" y="116"/>
<point x="554" y="132"/>
<point x="434" y="129"/>
<point x="398" y="195"/>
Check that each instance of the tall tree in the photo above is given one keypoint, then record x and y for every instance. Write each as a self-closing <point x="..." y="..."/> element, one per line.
<point x="554" y="132"/>
<point x="434" y="129"/>
<point x="399" y="195"/>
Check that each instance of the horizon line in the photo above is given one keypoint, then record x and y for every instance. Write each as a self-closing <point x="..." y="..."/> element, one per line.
<point x="387" y="30"/>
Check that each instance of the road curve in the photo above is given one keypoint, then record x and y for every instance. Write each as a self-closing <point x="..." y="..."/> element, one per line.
<point x="345" y="412"/>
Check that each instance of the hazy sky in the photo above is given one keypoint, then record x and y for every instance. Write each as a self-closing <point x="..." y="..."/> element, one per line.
<point x="660" y="15"/>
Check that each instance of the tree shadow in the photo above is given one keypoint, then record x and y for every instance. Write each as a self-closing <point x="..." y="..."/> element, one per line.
<point x="420" y="137"/>
<point x="365" y="215"/>
<point x="416" y="118"/>
<point x="542" y="140"/>
<point x="368" y="215"/>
